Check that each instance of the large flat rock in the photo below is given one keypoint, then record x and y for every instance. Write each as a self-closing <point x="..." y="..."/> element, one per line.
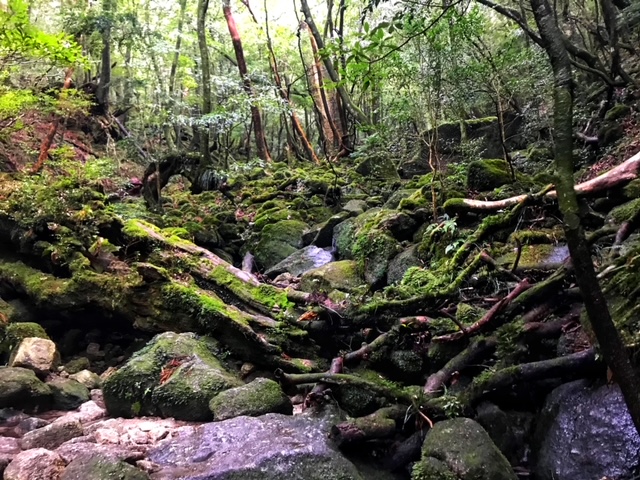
<point x="269" y="447"/>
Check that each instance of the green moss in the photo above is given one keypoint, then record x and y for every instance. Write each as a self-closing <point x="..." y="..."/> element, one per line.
<point x="632" y="189"/>
<point x="483" y="175"/>
<point x="14" y="333"/>
<point x="625" y="212"/>
<point x="532" y="237"/>
<point x="253" y="399"/>
<point x="617" y="111"/>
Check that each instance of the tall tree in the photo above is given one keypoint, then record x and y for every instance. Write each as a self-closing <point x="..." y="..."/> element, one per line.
<point x="358" y="114"/>
<point x="205" y="67"/>
<point x="104" y="82"/>
<point x="608" y="338"/>
<point x="256" y="117"/>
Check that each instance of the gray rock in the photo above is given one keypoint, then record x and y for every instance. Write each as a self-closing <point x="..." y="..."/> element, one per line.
<point x="322" y="235"/>
<point x="68" y="394"/>
<point x="510" y="431"/>
<point x="397" y="196"/>
<point x="402" y="262"/>
<point x="355" y="206"/>
<point x="586" y="433"/>
<point x="466" y="449"/>
<point x="37" y="354"/>
<point x="301" y="261"/>
<point x="87" y="378"/>
<point x="51" y="436"/>
<point x="20" y="388"/>
<point x="35" y="464"/>
<point x="270" y="447"/>
<point x="253" y="399"/>
<point x="378" y="166"/>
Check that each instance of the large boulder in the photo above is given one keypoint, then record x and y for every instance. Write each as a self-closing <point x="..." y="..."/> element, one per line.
<point x="270" y="447"/>
<point x="586" y="432"/>
<point x="278" y="241"/>
<point x="175" y="375"/>
<point x="484" y="175"/>
<point x="301" y="261"/>
<point x="20" y="388"/>
<point x="253" y="399"/>
<point x="461" y="449"/>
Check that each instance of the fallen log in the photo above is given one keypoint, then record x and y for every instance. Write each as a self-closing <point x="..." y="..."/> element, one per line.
<point x="619" y="175"/>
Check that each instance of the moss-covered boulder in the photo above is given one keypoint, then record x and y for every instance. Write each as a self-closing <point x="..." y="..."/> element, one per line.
<point x="484" y="175"/>
<point x="278" y="241"/>
<point x="68" y="394"/>
<point x="378" y="166"/>
<point x="465" y="449"/>
<point x="373" y="251"/>
<point x="253" y="399"/>
<point x="14" y="333"/>
<point x="175" y="375"/>
<point x="21" y="389"/>
<point x="101" y="467"/>
<point x="624" y="213"/>
<point x="342" y="275"/>
<point x="536" y="256"/>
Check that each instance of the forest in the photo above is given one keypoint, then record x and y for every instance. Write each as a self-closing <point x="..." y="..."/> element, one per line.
<point x="304" y="239"/>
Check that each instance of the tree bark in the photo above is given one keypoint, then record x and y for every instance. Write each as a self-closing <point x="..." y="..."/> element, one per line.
<point x="203" y="6"/>
<point x="611" y="344"/>
<point x="53" y="129"/>
<point x="102" y="93"/>
<point x="258" y="128"/>
<point x="342" y="91"/>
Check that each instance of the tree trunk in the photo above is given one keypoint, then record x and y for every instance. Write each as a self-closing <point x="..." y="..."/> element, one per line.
<point x="258" y="128"/>
<point x="53" y="128"/>
<point x="176" y="53"/>
<point x="612" y="347"/>
<point x="203" y="6"/>
<point x="102" y="94"/>
<point x="333" y="75"/>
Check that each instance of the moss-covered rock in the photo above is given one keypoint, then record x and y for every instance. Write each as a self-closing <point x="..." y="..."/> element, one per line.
<point x="467" y="451"/>
<point x="373" y="251"/>
<point x="16" y="332"/>
<point x="68" y="394"/>
<point x="76" y="365"/>
<point x="378" y="166"/>
<point x="100" y="467"/>
<point x="342" y="275"/>
<point x="278" y="241"/>
<point x="625" y="212"/>
<point x="253" y="399"/>
<point x="22" y="390"/>
<point x="175" y="375"/>
<point x="484" y="175"/>
<point x="536" y="256"/>
<point x="616" y="112"/>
